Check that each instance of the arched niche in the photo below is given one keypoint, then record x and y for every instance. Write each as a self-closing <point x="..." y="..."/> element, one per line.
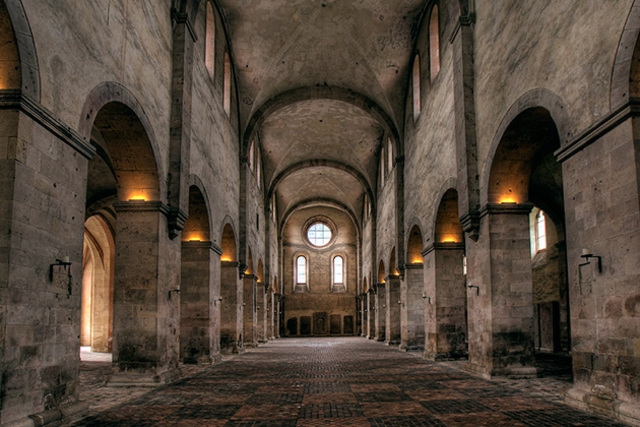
<point x="448" y="228"/>
<point x="196" y="228"/>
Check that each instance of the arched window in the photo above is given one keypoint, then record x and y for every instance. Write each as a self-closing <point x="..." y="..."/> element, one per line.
<point x="338" y="274"/>
<point x="301" y="274"/>
<point x="258" y="168"/>
<point x="250" y="157"/>
<point x="381" y="169"/>
<point x="227" y="85"/>
<point x="210" y="40"/>
<point x="541" y="232"/>
<point x="416" y="87"/>
<point x="434" y="43"/>
<point x="389" y="156"/>
<point x="301" y="270"/>
<point x="338" y="265"/>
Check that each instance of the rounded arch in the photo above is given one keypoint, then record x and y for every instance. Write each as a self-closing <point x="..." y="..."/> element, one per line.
<point x="415" y="245"/>
<point x="195" y="181"/>
<point x="110" y="95"/>
<point x="393" y="267"/>
<point x="626" y="60"/>
<point x="321" y="92"/>
<point x="228" y="242"/>
<point x="319" y="201"/>
<point x="197" y="226"/>
<point x="29" y="71"/>
<point x="322" y="163"/>
<point x="539" y="101"/>
<point x="260" y="271"/>
<point x="381" y="272"/>
<point x="365" y="286"/>
<point x="447" y="227"/>
<point x="250" y="269"/>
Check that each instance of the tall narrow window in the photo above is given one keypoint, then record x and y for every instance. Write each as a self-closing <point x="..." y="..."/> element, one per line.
<point x="381" y="169"/>
<point x="434" y="43"/>
<point x="389" y="156"/>
<point x="250" y="157"/>
<point x="301" y="270"/>
<point x="541" y="232"/>
<point x="338" y="263"/>
<point x="210" y="40"/>
<point x="258" y="167"/>
<point x="416" y="87"/>
<point x="227" y="85"/>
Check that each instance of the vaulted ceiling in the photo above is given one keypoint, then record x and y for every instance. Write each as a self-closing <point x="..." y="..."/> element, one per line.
<point x="322" y="84"/>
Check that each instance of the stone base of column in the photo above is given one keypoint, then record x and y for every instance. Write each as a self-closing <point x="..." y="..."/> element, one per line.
<point x="142" y="379"/>
<point x="515" y="372"/>
<point x="63" y="415"/>
<point x="409" y="348"/>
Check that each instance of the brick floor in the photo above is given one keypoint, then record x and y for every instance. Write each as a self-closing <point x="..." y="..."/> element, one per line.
<point x="330" y="382"/>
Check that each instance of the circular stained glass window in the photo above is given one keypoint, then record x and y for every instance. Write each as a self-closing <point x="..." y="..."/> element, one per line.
<point x="319" y="234"/>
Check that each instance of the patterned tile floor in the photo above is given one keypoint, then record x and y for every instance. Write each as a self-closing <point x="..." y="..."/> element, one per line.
<point x="329" y="382"/>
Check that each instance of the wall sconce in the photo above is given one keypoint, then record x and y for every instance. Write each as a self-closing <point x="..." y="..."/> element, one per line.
<point x="176" y="291"/>
<point x="477" y="288"/>
<point x="244" y="304"/>
<point x="400" y="302"/>
<point x="62" y="262"/>
<point x="219" y="299"/>
<point x="384" y="306"/>
<point x="424" y="296"/>
<point x="587" y="255"/>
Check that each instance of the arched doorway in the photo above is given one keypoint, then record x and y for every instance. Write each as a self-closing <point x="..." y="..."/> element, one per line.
<point x="123" y="180"/>
<point x="523" y="173"/>
<point x="96" y="325"/>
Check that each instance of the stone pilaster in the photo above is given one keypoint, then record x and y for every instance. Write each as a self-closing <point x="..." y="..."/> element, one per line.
<point x="250" y="316"/>
<point x="412" y="311"/>
<point x="146" y="302"/>
<point x="499" y="293"/>
<point x="445" y="302"/>
<point x="392" y="289"/>
<point x="380" y="312"/>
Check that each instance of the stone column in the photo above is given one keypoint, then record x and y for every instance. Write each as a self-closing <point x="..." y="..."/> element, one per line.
<point x="499" y="293"/>
<point x="371" y="314"/>
<point x="445" y="308"/>
<point x="229" y="287"/>
<point x="392" y="334"/>
<point x="249" y="332"/>
<point x="381" y="311"/>
<point x="195" y="309"/>
<point x="146" y="298"/>
<point x="363" y="314"/>
<point x="412" y="311"/>
<point x="261" y="313"/>
<point x="270" y="308"/>
<point x="277" y="299"/>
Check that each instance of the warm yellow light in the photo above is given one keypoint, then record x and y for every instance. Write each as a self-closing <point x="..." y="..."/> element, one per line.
<point x="416" y="260"/>
<point x="225" y="258"/>
<point x="508" y="199"/>
<point x="137" y="197"/>
<point x="192" y="238"/>
<point x="449" y="239"/>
